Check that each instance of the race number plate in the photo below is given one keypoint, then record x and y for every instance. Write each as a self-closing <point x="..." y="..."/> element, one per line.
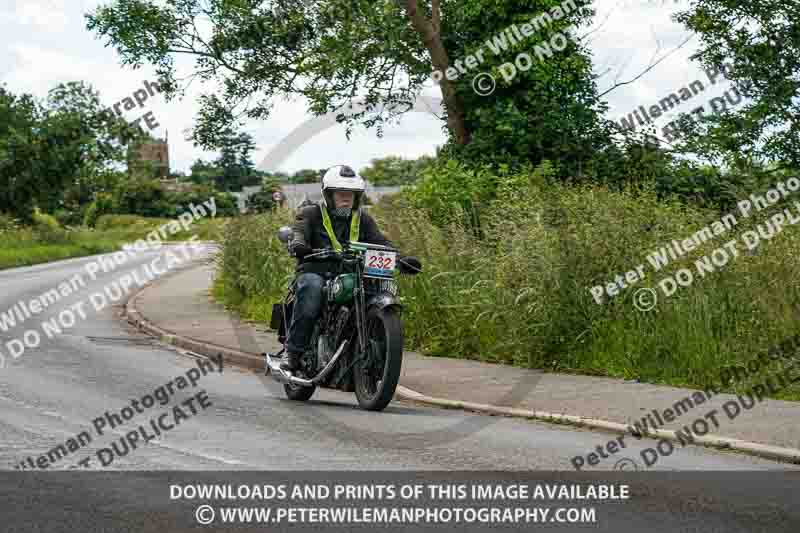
<point x="380" y="263"/>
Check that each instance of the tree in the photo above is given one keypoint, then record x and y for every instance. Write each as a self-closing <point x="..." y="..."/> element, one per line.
<point x="282" y="177"/>
<point x="394" y="170"/>
<point x="336" y="52"/>
<point x="85" y="190"/>
<point x="306" y="175"/>
<point x="323" y="50"/>
<point x="270" y="183"/>
<point x="204" y="173"/>
<point x="146" y="198"/>
<point x="20" y="183"/>
<point x="235" y="163"/>
<point x="69" y="142"/>
<point x="757" y="44"/>
<point x="544" y="104"/>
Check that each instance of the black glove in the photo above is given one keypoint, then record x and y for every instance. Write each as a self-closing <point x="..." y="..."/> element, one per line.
<point x="410" y="265"/>
<point x="301" y="249"/>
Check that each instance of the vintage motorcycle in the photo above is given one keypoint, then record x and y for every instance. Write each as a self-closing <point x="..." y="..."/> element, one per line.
<point x="357" y="342"/>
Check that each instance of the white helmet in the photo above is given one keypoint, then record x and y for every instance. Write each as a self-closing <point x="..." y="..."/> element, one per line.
<point x="342" y="178"/>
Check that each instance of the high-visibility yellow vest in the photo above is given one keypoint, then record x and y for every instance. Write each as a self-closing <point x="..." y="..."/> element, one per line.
<point x="355" y="225"/>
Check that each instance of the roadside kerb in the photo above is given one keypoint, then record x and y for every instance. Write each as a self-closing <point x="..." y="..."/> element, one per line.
<point x="778" y="453"/>
<point x="256" y="362"/>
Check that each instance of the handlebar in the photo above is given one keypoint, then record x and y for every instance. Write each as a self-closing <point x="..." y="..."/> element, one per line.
<point x="322" y="254"/>
<point x="375" y="246"/>
<point x="349" y="256"/>
<point x="319" y="254"/>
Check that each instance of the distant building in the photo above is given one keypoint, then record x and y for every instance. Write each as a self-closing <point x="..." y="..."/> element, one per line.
<point x="176" y="185"/>
<point x="154" y="152"/>
<point x="244" y="195"/>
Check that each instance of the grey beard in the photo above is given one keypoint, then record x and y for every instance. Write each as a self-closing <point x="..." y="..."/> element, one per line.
<point x="341" y="212"/>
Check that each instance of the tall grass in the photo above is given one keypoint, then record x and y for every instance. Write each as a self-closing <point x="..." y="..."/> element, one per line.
<point x="520" y="294"/>
<point x="254" y="265"/>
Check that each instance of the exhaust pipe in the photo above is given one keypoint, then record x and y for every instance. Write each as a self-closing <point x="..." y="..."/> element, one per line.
<point x="268" y="357"/>
<point x="281" y="375"/>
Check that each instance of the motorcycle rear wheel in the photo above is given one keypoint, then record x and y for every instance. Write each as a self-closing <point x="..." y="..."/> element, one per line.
<point x="376" y="377"/>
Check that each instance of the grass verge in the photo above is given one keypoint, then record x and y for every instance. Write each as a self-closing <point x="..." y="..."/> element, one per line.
<point x="42" y="243"/>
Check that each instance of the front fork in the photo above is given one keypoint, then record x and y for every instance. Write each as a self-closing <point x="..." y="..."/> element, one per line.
<point x="361" y="320"/>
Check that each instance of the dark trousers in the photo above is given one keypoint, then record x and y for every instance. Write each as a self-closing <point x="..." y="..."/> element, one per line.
<point x="307" y="307"/>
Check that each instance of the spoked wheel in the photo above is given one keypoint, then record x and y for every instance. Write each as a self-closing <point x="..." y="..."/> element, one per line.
<point x="377" y="374"/>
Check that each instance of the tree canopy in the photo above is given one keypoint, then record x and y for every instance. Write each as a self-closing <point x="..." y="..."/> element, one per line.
<point x="394" y="170"/>
<point x="67" y="142"/>
<point x="543" y="104"/>
<point x="233" y="168"/>
<point x="757" y="43"/>
<point x="338" y="52"/>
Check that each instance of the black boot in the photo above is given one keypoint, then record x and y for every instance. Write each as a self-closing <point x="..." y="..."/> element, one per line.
<point x="292" y="361"/>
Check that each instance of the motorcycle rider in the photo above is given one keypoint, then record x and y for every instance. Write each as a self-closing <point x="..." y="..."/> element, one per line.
<point x="337" y="218"/>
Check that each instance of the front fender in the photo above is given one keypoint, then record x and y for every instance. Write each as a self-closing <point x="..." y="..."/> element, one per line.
<point x="384" y="300"/>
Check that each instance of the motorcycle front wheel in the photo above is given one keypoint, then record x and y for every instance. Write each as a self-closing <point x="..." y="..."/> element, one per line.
<point x="376" y="375"/>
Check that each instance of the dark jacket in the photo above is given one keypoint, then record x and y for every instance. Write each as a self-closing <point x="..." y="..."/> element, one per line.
<point x="308" y="229"/>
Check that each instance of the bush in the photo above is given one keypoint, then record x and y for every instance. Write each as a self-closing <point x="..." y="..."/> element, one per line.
<point x="7" y="223"/>
<point x="127" y="222"/>
<point x="146" y="198"/>
<point x="181" y="201"/>
<point x="453" y="193"/>
<point x="261" y="202"/>
<point x="102" y="204"/>
<point x="66" y="217"/>
<point x="47" y="230"/>
<point x="43" y="220"/>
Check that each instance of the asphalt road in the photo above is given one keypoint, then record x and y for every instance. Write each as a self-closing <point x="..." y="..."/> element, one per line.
<point x="55" y="392"/>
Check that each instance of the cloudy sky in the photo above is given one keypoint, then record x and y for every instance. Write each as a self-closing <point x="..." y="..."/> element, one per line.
<point x="45" y="42"/>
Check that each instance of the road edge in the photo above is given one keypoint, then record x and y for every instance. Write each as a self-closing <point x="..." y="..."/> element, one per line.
<point x="256" y="362"/>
